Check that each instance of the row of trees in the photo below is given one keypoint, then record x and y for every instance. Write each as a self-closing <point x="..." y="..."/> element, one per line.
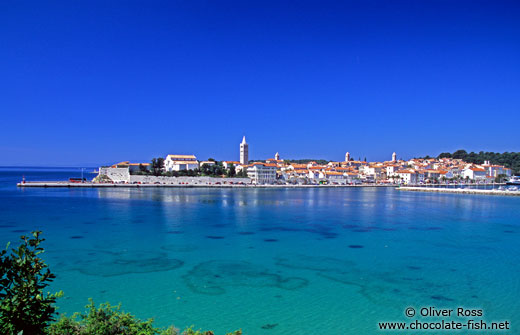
<point x="508" y="159"/>
<point x="209" y="170"/>
<point x="26" y="310"/>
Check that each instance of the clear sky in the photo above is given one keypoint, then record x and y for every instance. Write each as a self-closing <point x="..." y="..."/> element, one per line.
<point x="95" y="82"/>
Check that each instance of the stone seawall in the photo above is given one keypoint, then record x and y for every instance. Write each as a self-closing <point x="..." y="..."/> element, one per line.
<point x="116" y="174"/>
<point x="459" y="191"/>
<point x="185" y="180"/>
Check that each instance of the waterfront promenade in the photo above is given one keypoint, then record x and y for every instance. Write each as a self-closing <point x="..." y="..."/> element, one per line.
<point x="186" y="185"/>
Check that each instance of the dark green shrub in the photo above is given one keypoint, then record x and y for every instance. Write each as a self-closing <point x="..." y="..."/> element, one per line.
<point x="24" y="307"/>
<point x="105" y="320"/>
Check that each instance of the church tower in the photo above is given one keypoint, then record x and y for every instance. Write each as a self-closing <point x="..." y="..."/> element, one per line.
<point x="244" y="152"/>
<point x="394" y="157"/>
<point x="347" y="157"/>
<point x="277" y="156"/>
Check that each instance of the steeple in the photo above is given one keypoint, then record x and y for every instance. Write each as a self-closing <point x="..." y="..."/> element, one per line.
<point x="277" y="156"/>
<point x="244" y="152"/>
<point x="347" y="157"/>
<point x="394" y="157"/>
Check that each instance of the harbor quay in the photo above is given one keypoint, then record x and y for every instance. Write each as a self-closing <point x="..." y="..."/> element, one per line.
<point x="510" y="192"/>
<point x="67" y="184"/>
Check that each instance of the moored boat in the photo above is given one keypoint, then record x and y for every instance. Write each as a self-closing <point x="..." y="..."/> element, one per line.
<point x="514" y="180"/>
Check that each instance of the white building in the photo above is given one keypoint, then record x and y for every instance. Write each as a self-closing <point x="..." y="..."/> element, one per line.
<point x="394" y="157"/>
<point x="347" y="157"/>
<point x="262" y="173"/>
<point x="180" y="162"/>
<point x="407" y="176"/>
<point x="207" y="163"/>
<point x="227" y="164"/>
<point x="474" y="173"/>
<point x="244" y="152"/>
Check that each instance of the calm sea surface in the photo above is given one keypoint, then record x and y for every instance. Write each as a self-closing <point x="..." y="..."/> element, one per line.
<point x="285" y="261"/>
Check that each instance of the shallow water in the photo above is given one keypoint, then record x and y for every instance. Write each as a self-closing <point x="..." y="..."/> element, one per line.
<point x="298" y="261"/>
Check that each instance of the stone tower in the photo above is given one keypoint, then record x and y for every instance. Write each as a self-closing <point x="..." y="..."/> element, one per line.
<point x="394" y="157"/>
<point x="347" y="157"/>
<point x="244" y="152"/>
<point x="277" y="156"/>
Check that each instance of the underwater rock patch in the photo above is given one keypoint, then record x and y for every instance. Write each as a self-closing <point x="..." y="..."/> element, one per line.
<point x="179" y="247"/>
<point x="355" y="246"/>
<point x="213" y="277"/>
<point x="269" y="326"/>
<point x="109" y="264"/>
<point x="76" y="237"/>
<point x="441" y="298"/>
<point x="270" y="240"/>
<point x="245" y="233"/>
<point x="213" y="237"/>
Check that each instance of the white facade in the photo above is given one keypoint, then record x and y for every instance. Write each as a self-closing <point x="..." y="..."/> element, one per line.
<point x="180" y="162"/>
<point x="394" y="157"/>
<point x="407" y="176"/>
<point x="244" y="152"/>
<point x="261" y="173"/>
<point x="347" y="157"/>
<point x="227" y="164"/>
<point x="474" y="173"/>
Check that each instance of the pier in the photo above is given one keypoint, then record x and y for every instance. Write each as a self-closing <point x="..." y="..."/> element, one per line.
<point x="65" y="184"/>
<point x="459" y="190"/>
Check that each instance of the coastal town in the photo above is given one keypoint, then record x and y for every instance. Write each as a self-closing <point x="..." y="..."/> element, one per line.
<point x="182" y="169"/>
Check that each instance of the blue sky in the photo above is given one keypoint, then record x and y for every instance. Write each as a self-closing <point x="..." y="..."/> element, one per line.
<point x="94" y="82"/>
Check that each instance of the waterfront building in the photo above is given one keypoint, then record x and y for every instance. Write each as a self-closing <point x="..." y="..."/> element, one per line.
<point x="408" y="176"/>
<point x="180" y="162"/>
<point x="132" y="167"/>
<point x="207" y="163"/>
<point x="262" y="173"/>
<point x="227" y="164"/>
<point x="474" y="173"/>
<point x="496" y="170"/>
<point x="244" y="152"/>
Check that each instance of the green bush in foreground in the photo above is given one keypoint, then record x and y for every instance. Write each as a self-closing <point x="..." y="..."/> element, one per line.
<point x="110" y="320"/>
<point x="26" y="310"/>
<point x="24" y="307"/>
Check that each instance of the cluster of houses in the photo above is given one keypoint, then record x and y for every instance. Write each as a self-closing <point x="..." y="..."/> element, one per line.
<point x="349" y="171"/>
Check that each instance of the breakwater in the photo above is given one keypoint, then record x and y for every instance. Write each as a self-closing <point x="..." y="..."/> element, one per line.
<point x="187" y="185"/>
<point x="459" y="190"/>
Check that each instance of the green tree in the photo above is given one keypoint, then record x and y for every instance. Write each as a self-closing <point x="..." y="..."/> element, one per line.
<point x="143" y="169"/>
<point x="157" y="166"/>
<point x="231" y="171"/>
<point x="24" y="307"/>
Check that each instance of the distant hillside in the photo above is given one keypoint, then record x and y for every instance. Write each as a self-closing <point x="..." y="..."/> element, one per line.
<point x="508" y="159"/>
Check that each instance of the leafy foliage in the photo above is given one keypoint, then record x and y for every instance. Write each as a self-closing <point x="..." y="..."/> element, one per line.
<point x="110" y="320"/>
<point x="105" y="320"/>
<point x="157" y="166"/>
<point x="24" y="307"/>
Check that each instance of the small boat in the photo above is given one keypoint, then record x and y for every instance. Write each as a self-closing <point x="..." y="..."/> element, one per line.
<point x="514" y="180"/>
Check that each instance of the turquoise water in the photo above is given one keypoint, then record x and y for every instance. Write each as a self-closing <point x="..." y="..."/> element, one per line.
<point x="284" y="261"/>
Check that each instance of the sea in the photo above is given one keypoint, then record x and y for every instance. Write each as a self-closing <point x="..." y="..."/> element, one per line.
<point x="272" y="261"/>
